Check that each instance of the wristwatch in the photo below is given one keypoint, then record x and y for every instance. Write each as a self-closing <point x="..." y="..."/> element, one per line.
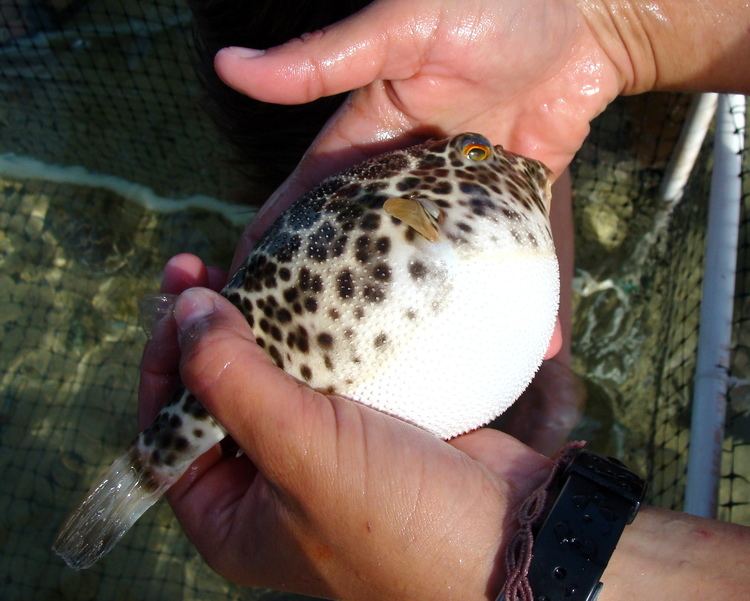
<point x="596" y="497"/>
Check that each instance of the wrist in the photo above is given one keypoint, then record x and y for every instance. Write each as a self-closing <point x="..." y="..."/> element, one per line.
<point x="461" y="551"/>
<point x="516" y="493"/>
<point x="663" y="45"/>
<point x="619" y="29"/>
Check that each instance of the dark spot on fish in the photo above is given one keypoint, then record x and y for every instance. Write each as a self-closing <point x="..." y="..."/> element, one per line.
<point x="291" y="294"/>
<point x="276" y="356"/>
<point x="417" y="270"/>
<point x="380" y="340"/>
<point x="306" y="372"/>
<point x="303" y="340"/>
<point x="383" y="245"/>
<point x="339" y="246"/>
<point x="442" y="187"/>
<point x="235" y="299"/>
<point x="164" y="440"/>
<point x="325" y="340"/>
<point x="374" y="187"/>
<point x="373" y="293"/>
<point x="284" y="246"/>
<point x="382" y="272"/>
<point x="363" y="249"/>
<point x="303" y="280"/>
<point x="408" y="183"/>
<point x="473" y="189"/>
<point x="345" y="284"/>
<point x="371" y="221"/>
<point x="431" y="161"/>
<point x="320" y="242"/>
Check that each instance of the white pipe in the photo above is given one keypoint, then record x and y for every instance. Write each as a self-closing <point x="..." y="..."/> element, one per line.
<point x="678" y="170"/>
<point x="685" y="153"/>
<point x="714" y="338"/>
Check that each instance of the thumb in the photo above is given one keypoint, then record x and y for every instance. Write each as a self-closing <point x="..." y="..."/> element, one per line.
<point x="385" y="40"/>
<point x="270" y="415"/>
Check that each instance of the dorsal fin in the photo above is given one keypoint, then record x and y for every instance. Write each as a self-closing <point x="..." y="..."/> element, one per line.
<point x="421" y="216"/>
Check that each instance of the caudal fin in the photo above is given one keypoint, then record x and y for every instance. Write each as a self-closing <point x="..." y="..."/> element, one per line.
<point x="109" y="510"/>
<point x="181" y="433"/>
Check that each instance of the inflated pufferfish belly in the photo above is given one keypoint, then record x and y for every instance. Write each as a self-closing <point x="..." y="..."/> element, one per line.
<point x="443" y="329"/>
<point x="422" y="283"/>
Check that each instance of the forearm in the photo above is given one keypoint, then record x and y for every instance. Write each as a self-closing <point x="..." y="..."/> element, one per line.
<point x="667" y="555"/>
<point x="696" y="45"/>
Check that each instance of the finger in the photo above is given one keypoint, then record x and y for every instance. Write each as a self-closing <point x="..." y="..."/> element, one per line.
<point x="555" y="342"/>
<point x="159" y="371"/>
<point x="268" y="413"/>
<point x="161" y="355"/>
<point x="183" y="271"/>
<point x="382" y="41"/>
<point x="208" y="489"/>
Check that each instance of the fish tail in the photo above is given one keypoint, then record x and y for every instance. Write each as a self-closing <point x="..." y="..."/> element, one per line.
<point x="136" y="480"/>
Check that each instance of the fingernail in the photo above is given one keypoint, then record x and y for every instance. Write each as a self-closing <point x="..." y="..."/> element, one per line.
<point x="193" y="306"/>
<point x="239" y="52"/>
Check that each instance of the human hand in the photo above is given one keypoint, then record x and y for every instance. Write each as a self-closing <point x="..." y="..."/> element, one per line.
<point x="330" y="498"/>
<point x="529" y="75"/>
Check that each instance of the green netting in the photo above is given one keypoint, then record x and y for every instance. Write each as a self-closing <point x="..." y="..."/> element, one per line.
<point x="734" y="490"/>
<point x="104" y="91"/>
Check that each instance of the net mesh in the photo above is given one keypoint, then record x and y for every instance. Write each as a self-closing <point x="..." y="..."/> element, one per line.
<point x="734" y="488"/>
<point x="109" y="166"/>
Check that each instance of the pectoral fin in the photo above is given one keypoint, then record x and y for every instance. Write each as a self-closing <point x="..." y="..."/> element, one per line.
<point x="420" y="215"/>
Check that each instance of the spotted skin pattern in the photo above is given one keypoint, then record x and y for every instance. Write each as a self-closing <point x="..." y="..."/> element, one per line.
<point x="335" y="258"/>
<point x="338" y="287"/>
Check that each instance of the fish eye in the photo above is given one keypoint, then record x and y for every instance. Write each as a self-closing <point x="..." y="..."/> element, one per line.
<point x="477" y="152"/>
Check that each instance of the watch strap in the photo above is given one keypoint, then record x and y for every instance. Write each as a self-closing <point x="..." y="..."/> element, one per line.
<point x="592" y="498"/>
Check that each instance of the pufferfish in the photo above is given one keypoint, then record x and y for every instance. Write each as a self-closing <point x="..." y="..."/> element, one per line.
<point x="422" y="283"/>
